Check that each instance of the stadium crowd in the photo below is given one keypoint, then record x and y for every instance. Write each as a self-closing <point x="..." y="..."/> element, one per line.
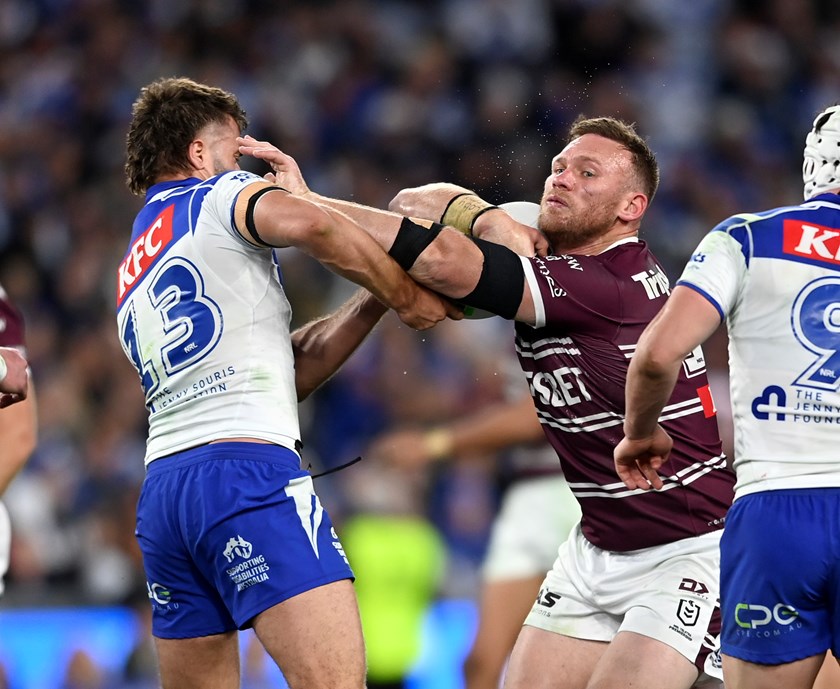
<point x="369" y="97"/>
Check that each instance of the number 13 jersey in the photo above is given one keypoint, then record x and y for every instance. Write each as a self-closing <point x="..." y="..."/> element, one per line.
<point x="203" y="317"/>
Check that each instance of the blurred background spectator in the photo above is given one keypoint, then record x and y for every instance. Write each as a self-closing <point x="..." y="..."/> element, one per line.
<point x="370" y="97"/>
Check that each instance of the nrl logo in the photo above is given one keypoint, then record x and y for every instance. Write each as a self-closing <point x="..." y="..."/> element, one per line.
<point x="688" y="612"/>
<point x="237" y="546"/>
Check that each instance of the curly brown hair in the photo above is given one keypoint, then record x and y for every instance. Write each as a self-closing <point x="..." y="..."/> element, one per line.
<point x="165" y="119"/>
<point x="644" y="160"/>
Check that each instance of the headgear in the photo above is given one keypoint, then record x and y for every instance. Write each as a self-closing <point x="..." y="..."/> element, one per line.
<point x="821" y="167"/>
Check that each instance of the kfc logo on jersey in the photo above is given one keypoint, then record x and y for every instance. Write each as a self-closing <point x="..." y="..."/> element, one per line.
<point x="145" y="249"/>
<point x="811" y="241"/>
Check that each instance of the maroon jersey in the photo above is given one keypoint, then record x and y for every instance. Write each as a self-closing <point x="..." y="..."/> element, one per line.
<point x="11" y="323"/>
<point x="591" y="311"/>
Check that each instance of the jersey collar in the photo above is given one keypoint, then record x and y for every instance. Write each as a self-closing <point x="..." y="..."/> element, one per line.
<point x="626" y="240"/>
<point x="156" y="189"/>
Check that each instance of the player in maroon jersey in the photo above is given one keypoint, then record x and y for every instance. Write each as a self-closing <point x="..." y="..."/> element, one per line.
<point x="18" y="423"/>
<point x="633" y="597"/>
<point x="14" y="376"/>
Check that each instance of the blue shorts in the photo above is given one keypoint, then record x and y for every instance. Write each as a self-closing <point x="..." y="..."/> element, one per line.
<point x="780" y="576"/>
<point x="227" y="531"/>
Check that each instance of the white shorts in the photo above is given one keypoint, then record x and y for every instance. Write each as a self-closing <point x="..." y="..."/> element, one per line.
<point x="669" y="593"/>
<point x="535" y="517"/>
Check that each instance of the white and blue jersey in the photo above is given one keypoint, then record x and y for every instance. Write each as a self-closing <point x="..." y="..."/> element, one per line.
<point x="203" y="317"/>
<point x="230" y="529"/>
<point x="774" y="277"/>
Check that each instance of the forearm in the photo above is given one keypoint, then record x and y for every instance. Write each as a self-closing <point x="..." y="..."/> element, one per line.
<point x="649" y="386"/>
<point x="381" y="225"/>
<point x="349" y="251"/>
<point x="496" y="428"/>
<point x="686" y="321"/>
<point x="322" y="346"/>
<point x="450" y="265"/>
<point x="429" y="201"/>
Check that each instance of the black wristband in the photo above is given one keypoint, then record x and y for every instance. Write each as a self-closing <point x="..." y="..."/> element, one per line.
<point x="411" y="240"/>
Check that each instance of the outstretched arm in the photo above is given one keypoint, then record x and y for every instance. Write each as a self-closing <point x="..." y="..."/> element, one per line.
<point x="452" y="264"/>
<point x="323" y="345"/>
<point x="465" y="211"/>
<point x="488" y="430"/>
<point x="686" y="321"/>
<point x="448" y="204"/>
<point x="268" y="216"/>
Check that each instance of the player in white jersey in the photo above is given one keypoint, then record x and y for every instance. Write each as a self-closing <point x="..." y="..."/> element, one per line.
<point x="231" y="531"/>
<point x="774" y="277"/>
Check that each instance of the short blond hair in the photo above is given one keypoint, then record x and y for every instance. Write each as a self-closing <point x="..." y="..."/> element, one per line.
<point x="644" y="160"/>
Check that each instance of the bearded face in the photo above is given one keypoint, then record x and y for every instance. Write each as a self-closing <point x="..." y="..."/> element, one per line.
<point x="569" y="225"/>
<point x="584" y="195"/>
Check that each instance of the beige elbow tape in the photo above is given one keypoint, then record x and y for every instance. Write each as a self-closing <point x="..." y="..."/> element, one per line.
<point x="438" y="442"/>
<point x="463" y="210"/>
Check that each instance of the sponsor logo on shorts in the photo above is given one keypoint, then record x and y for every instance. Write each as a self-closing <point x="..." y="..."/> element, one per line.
<point x="693" y="586"/>
<point x="160" y="597"/>
<point x="158" y="593"/>
<point x="688" y="612"/>
<point x="251" y="571"/>
<point x="338" y="547"/>
<point x="713" y="665"/>
<point x="689" y="609"/>
<point x="752" y="616"/>
<point x="547" y="598"/>
<point x="237" y="547"/>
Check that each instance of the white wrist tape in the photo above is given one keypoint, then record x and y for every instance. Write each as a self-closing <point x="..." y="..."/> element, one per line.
<point x="3" y="368"/>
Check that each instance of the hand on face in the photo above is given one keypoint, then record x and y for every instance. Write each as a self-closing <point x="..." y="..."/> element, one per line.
<point x="286" y="172"/>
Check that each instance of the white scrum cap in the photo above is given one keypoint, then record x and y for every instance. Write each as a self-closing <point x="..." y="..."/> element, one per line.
<point x="821" y="167"/>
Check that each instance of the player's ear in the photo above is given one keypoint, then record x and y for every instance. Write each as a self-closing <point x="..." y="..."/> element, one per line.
<point x="197" y="154"/>
<point x="633" y="208"/>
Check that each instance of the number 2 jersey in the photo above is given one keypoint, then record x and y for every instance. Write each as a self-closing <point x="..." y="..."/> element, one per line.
<point x="203" y="317"/>
<point x="775" y="277"/>
<point x="590" y="312"/>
